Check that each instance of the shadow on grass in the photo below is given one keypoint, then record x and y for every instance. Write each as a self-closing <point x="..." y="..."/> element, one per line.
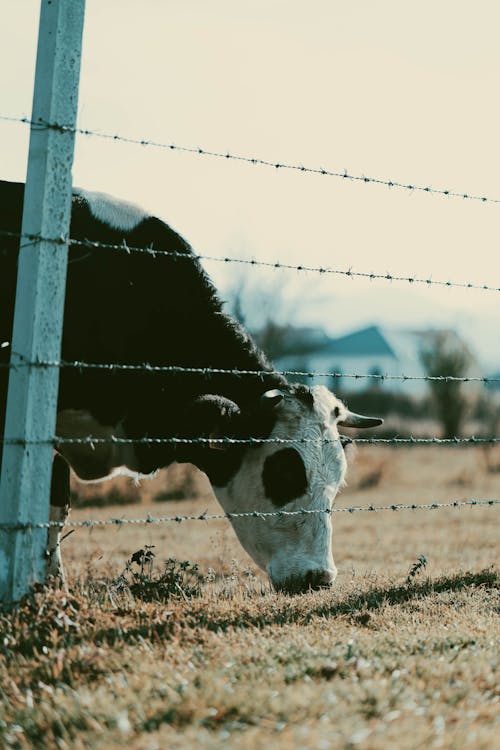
<point x="295" y="609"/>
<point x="54" y="618"/>
<point x="375" y="598"/>
<point x="211" y="616"/>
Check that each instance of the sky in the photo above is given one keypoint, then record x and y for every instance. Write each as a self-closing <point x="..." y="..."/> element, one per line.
<point x="382" y="88"/>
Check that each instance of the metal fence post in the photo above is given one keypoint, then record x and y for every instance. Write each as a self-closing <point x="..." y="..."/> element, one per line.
<point x="32" y="393"/>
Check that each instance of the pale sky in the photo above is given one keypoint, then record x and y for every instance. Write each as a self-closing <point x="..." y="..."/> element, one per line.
<point x="391" y="89"/>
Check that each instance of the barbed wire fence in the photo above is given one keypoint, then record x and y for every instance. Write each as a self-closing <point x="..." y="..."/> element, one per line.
<point x="255" y="514"/>
<point x="262" y="374"/>
<point x="276" y="265"/>
<point x="42" y="125"/>
<point x="227" y="441"/>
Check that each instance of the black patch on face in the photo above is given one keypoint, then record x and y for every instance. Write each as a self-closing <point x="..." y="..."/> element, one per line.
<point x="303" y="393"/>
<point x="284" y="476"/>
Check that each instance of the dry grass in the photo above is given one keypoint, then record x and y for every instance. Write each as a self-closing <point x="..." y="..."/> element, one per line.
<point x="386" y="661"/>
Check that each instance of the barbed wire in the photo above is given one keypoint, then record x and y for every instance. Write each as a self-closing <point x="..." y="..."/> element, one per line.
<point x="255" y="161"/>
<point x="173" y="369"/>
<point x="277" y="265"/>
<point x="345" y="175"/>
<point x="94" y="441"/>
<point x="262" y="515"/>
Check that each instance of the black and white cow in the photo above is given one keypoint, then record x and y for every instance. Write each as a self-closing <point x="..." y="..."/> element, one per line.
<point x="138" y="309"/>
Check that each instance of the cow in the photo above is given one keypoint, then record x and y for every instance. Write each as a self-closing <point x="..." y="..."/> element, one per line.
<point x="140" y="308"/>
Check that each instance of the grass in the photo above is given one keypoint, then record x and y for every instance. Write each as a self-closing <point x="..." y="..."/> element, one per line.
<point x="154" y="654"/>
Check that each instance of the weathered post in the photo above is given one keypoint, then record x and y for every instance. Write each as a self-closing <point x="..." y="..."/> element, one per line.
<point x="38" y="320"/>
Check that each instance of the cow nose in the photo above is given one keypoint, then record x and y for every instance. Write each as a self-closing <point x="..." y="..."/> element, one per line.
<point x="313" y="580"/>
<point x="319" y="579"/>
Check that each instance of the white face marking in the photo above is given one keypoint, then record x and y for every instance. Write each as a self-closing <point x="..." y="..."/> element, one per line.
<point x="116" y="213"/>
<point x="291" y="547"/>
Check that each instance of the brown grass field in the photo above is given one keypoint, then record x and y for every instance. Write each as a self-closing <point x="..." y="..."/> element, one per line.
<point x="382" y="661"/>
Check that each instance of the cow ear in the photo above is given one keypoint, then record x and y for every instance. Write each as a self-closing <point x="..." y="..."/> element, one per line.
<point x="212" y="417"/>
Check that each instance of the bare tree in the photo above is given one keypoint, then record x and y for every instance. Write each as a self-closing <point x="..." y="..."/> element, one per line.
<point x="265" y="309"/>
<point x="446" y="355"/>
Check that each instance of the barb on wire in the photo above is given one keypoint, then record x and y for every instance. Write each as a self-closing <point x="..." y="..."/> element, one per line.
<point x="177" y="369"/>
<point x="276" y="265"/>
<point x="261" y="515"/>
<point x="93" y="441"/>
<point x="255" y="161"/>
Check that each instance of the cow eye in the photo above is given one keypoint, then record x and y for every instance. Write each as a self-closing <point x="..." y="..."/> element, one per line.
<point x="284" y="476"/>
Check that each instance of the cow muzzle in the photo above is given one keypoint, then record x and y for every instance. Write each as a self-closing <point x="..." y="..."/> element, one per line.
<point x="313" y="580"/>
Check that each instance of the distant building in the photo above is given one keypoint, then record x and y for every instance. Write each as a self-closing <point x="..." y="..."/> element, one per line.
<point x="376" y="350"/>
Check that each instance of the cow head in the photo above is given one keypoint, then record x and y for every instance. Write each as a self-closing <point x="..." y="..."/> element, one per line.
<point x="294" y="550"/>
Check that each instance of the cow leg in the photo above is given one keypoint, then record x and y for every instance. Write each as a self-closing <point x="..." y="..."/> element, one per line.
<point x="59" y="509"/>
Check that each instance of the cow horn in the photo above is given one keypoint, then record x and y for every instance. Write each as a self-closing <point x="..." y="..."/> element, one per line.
<point x="272" y="398"/>
<point x="358" y="420"/>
